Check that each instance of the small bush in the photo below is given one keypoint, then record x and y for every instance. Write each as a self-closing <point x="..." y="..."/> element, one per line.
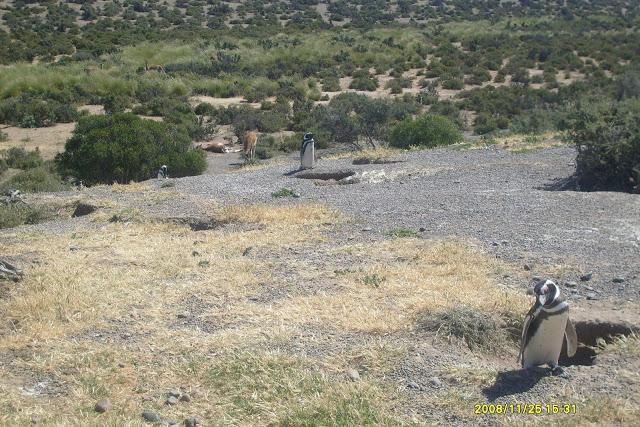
<point x="123" y="148"/>
<point x="13" y="215"/>
<point x="284" y="192"/>
<point x="425" y="131"/>
<point x="477" y="329"/>
<point x="453" y="84"/>
<point x="40" y="179"/>
<point x="19" y="158"/>
<point x="402" y="232"/>
<point x="607" y="136"/>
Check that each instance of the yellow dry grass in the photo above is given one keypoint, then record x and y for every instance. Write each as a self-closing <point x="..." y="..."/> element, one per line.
<point x="402" y="278"/>
<point x="129" y="310"/>
<point x="370" y="153"/>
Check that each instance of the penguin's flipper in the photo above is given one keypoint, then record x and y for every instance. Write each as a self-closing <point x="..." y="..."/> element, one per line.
<point x="525" y="330"/>
<point x="571" y="337"/>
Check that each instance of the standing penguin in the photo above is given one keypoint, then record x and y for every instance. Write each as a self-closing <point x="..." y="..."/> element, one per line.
<point x="307" y="152"/>
<point x="547" y="324"/>
<point x="163" y="172"/>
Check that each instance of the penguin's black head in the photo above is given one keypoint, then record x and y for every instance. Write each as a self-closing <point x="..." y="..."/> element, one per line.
<point x="546" y="292"/>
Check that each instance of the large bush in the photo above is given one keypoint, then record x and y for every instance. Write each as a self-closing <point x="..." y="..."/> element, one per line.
<point x="123" y="148"/>
<point x="425" y="131"/>
<point x="607" y="136"/>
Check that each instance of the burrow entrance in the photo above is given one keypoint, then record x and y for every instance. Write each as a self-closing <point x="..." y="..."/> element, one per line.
<point x="589" y="333"/>
<point x="326" y="175"/>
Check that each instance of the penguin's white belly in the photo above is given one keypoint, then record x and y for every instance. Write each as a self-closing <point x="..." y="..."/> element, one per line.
<point x="308" y="157"/>
<point x="545" y="346"/>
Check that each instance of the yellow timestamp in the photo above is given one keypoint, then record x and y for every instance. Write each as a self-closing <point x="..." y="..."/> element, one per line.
<point x="524" y="408"/>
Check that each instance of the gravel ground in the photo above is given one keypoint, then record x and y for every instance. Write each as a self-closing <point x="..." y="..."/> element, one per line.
<point x="498" y="198"/>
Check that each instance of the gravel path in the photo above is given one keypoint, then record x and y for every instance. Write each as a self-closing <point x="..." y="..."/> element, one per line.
<point x="493" y="196"/>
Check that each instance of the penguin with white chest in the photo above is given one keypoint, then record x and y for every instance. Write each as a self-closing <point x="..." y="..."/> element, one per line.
<point x="546" y="326"/>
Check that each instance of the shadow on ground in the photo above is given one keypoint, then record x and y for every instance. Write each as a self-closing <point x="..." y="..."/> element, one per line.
<point x="513" y="382"/>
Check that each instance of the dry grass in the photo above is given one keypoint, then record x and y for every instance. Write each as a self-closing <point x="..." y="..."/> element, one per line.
<point x="370" y="153"/>
<point x="524" y="143"/>
<point x="129" y="310"/>
<point x="414" y="276"/>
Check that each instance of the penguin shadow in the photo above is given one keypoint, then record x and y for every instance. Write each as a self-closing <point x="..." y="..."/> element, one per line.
<point x="514" y="382"/>
<point x="293" y="172"/>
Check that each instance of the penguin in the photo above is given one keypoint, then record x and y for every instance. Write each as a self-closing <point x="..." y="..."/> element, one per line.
<point x="546" y="325"/>
<point x="163" y="172"/>
<point x="307" y="152"/>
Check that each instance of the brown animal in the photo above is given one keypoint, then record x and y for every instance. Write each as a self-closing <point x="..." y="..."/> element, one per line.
<point x="153" y="67"/>
<point x="249" y="140"/>
<point x="217" y="147"/>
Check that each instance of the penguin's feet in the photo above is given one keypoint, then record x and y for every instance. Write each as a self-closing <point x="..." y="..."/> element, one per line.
<point x="558" y="371"/>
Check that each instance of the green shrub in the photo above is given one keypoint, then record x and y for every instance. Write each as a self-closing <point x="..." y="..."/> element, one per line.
<point x="39" y="179"/>
<point x="19" y="158"/>
<point x="362" y="80"/>
<point x="13" y="215"/>
<point x="425" y="131"/>
<point x="28" y="112"/>
<point x="607" y="136"/>
<point x="123" y="147"/>
<point x="453" y="84"/>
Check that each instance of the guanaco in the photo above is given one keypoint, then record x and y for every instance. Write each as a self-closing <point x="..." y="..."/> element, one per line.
<point x="250" y="139"/>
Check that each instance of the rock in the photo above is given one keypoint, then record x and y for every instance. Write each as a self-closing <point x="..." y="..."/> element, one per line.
<point x="586" y="277"/>
<point x="169" y="422"/>
<point x="121" y="365"/>
<point x="171" y="400"/>
<point x="527" y="267"/>
<point x="353" y="375"/>
<point x="618" y="279"/>
<point x="191" y="422"/>
<point x="422" y="229"/>
<point x="195" y="253"/>
<point x="435" y="381"/>
<point x="414" y="385"/>
<point x="183" y="315"/>
<point x="247" y="251"/>
<point x="571" y="284"/>
<point x="203" y="264"/>
<point x="83" y="209"/>
<point x="505" y="242"/>
<point x="536" y="279"/>
<point x="296" y="195"/>
<point x="174" y="392"/>
<point x="185" y="398"/>
<point x="367" y="229"/>
<point x="151" y="416"/>
<point x="495" y="244"/>
<point x="103" y="406"/>
<point x="9" y="271"/>
<point x="592" y="296"/>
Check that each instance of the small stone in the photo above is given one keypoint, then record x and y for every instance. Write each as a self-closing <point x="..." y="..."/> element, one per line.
<point x="618" y="279"/>
<point x="536" y="279"/>
<point x="191" y="422"/>
<point x="247" y="251"/>
<point x="367" y="229"/>
<point x="296" y="195"/>
<point x="414" y="385"/>
<point x="171" y="400"/>
<point x="571" y="284"/>
<point x="435" y="381"/>
<point x="586" y="277"/>
<point x="183" y="315"/>
<point x="589" y="288"/>
<point x="422" y="229"/>
<point x="185" y="398"/>
<point x="35" y="419"/>
<point x="495" y="244"/>
<point x="527" y="267"/>
<point x="203" y="264"/>
<point x="353" y="374"/>
<point x="103" y="406"/>
<point x="121" y="365"/>
<point x="195" y="253"/>
<point x="505" y="242"/>
<point x="74" y="248"/>
<point x="169" y="422"/>
<point x="151" y="416"/>
<point x="592" y="296"/>
<point x="174" y="392"/>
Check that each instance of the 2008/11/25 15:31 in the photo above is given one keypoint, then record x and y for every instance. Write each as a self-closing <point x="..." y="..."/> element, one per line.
<point x="525" y="408"/>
